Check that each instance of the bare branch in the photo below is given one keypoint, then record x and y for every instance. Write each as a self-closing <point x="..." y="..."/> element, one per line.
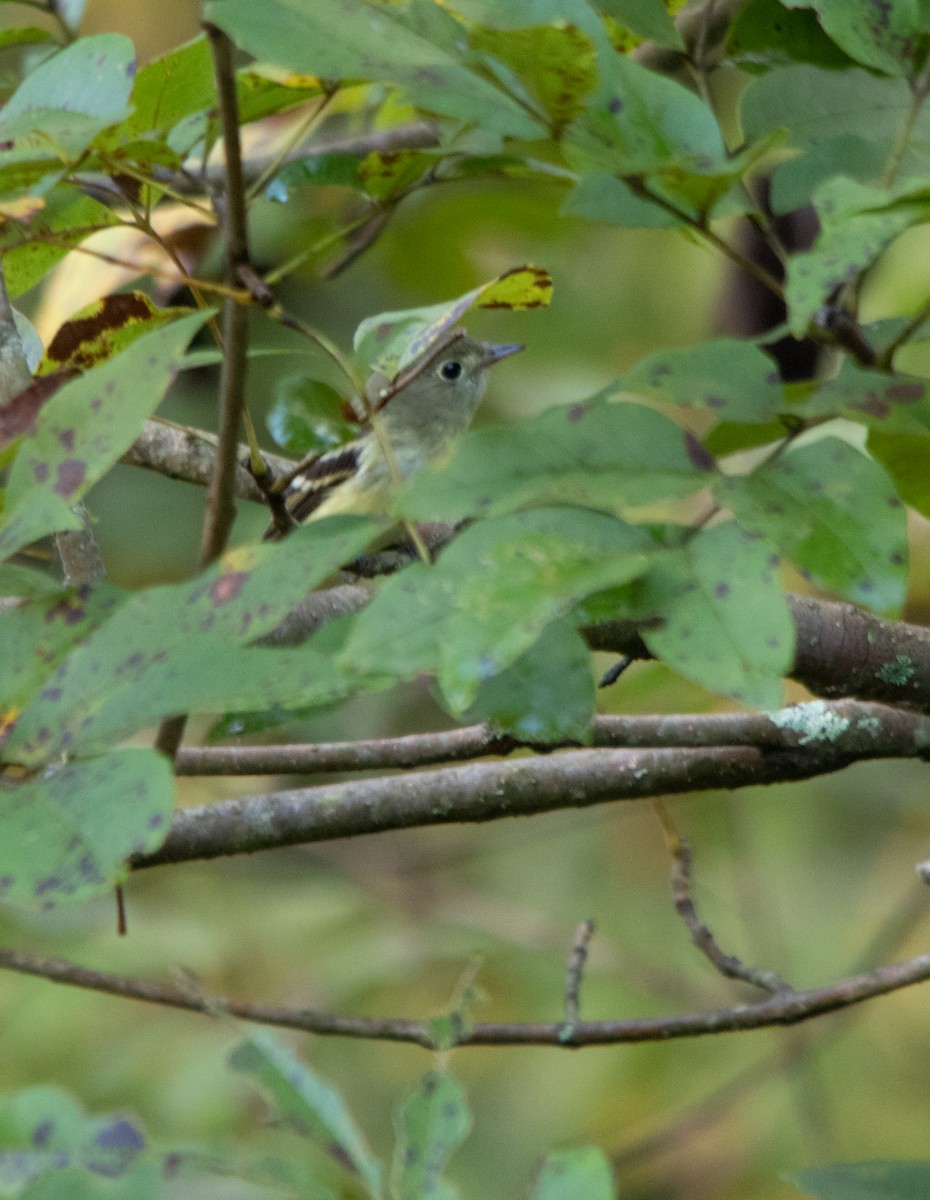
<point x="859" y="727"/>
<point x="786" y="1008"/>
<point x="488" y="791"/>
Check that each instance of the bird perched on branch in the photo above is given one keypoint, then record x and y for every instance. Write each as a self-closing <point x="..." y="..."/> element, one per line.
<point x="416" y="418"/>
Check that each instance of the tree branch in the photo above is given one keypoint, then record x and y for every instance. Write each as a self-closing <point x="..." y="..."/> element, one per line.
<point x="860" y="728"/>
<point x="786" y="1008"/>
<point x="488" y="791"/>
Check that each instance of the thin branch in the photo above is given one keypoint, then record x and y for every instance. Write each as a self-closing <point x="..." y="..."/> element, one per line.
<point x="220" y="506"/>
<point x="574" y="971"/>
<point x="860" y="727"/>
<point x="727" y="964"/>
<point x="784" y="1009"/>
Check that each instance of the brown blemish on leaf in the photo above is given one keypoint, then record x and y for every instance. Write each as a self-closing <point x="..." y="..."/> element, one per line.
<point x="66" y="438"/>
<point x="73" y="343"/>
<point x="40" y="472"/>
<point x="576" y="413"/>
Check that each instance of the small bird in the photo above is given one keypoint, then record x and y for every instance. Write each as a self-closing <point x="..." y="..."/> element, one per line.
<point x="420" y="420"/>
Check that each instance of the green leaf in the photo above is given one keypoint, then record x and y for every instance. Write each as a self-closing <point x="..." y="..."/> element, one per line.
<point x="879" y="1180"/>
<point x="723" y="620"/>
<point x="858" y="224"/>
<point x="391" y="341"/>
<point x="176" y="648"/>
<point x="67" y="220"/>
<point x="640" y="123"/>
<point x="556" y="64"/>
<point x="846" y="108"/>
<point x="834" y="513"/>
<point x="887" y="37"/>
<point x="734" y="380"/>
<point x="44" y="1131"/>
<point x="602" y="197"/>
<point x="354" y="39"/>
<point x="307" y="1106"/>
<point x="431" y="1125"/>
<point x="545" y="695"/>
<point x="84" y="429"/>
<point x="166" y="90"/>
<point x="905" y="459"/>
<point x="491" y="594"/>
<point x="35" y="635"/>
<point x="66" y="834"/>
<point x="765" y="34"/>
<point x="58" y="109"/>
<point x="307" y="416"/>
<point x="385" y="176"/>
<point x="570" y="1174"/>
<point x="598" y="453"/>
<point x="648" y="19"/>
<point x="317" y="170"/>
<point x="892" y="403"/>
<point x="93" y="76"/>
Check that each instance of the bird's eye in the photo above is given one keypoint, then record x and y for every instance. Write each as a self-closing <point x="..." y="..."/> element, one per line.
<point x="450" y="370"/>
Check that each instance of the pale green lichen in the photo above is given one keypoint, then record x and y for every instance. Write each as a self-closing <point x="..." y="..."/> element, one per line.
<point x="898" y="672"/>
<point x="814" y="721"/>
<point x="870" y="725"/>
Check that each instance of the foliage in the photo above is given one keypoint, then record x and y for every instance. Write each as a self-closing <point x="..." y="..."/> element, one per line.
<point x="668" y="499"/>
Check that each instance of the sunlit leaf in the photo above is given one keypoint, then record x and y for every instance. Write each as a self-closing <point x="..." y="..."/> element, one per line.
<point x="390" y="341"/>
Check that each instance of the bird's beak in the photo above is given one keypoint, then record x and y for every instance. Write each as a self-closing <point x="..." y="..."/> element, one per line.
<point x="492" y="354"/>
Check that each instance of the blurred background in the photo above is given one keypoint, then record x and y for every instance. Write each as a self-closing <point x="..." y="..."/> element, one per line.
<point x="813" y="881"/>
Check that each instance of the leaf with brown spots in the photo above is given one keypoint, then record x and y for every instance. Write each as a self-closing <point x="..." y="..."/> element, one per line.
<point x="715" y="612"/>
<point x="103" y="329"/>
<point x="68" y="833"/>
<point x="732" y="379"/>
<point x="604" y="454"/>
<point x="83" y="430"/>
<point x="178" y="648"/>
<point x="834" y="513"/>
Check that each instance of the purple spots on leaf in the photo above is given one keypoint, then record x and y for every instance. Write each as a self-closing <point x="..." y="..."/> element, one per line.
<point x="70" y="476"/>
<point x="698" y="453"/>
<point x="615" y="106"/>
<point x="576" y="412"/>
<point x="40" y="472"/>
<point x="42" y="1134"/>
<point x="66" y="438"/>
<point x="722" y="590"/>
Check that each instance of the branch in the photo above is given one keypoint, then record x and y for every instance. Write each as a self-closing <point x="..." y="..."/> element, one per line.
<point x="220" y="507"/>
<point x="488" y="791"/>
<point x="189" y="455"/>
<point x="841" y="651"/>
<point x="786" y="1008"/>
<point x="861" y="728"/>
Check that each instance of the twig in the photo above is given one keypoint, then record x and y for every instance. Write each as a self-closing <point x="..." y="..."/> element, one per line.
<point x="783" y="1009"/>
<point x="859" y="727"/>
<point x="727" y="964"/>
<point x="574" y="971"/>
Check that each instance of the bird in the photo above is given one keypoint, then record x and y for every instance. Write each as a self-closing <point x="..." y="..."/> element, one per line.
<point x="421" y="412"/>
